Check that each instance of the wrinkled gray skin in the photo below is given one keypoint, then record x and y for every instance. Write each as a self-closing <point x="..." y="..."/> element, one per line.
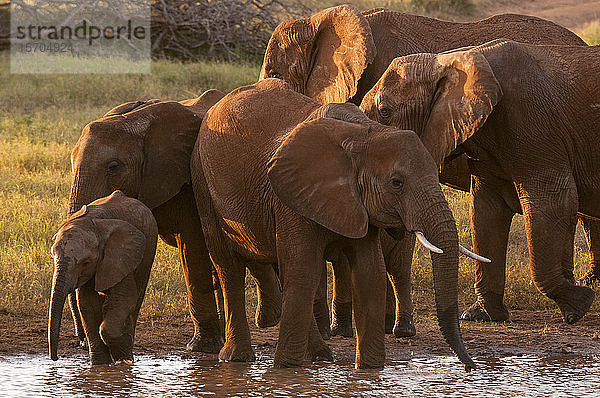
<point x="143" y="148"/>
<point x="267" y="186"/>
<point x="526" y="117"/>
<point x="105" y="251"/>
<point x="339" y="53"/>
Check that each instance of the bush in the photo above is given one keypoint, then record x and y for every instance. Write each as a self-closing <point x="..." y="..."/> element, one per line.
<point x="230" y="29"/>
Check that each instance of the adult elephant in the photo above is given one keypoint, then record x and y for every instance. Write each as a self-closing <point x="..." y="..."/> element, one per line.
<point x="527" y="118"/>
<point x="339" y="53"/>
<point x="268" y="188"/>
<point x="143" y="148"/>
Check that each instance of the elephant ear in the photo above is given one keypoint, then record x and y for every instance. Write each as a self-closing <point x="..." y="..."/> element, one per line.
<point x="467" y="92"/>
<point x="323" y="56"/>
<point x="123" y="251"/>
<point x="203" y="103"/>
<point x="128" y="107"/>
<point x="312" y="174"/>
<point x="169" y="137"/>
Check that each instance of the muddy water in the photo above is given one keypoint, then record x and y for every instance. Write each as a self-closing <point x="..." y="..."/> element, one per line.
<point x="174" y="376"/>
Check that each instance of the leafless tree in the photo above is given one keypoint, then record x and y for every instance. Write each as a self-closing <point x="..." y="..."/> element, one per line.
<point x="196" y="29"/>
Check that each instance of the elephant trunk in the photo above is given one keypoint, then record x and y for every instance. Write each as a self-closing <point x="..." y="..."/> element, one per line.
<point x="82" y="192"/>
<point x="439" y="226"/>
<point x="61" y="287"/>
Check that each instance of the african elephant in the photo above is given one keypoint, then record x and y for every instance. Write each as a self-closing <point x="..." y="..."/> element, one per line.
<point x="143" y="148"/>
<point x="339" y="53"/>
<point x="105" y="251"/>
<point x="526" y="117"/>
<point x="297" y="185"/>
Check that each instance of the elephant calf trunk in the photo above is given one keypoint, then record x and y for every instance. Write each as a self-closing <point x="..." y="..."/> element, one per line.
<point x="57" y="303"/>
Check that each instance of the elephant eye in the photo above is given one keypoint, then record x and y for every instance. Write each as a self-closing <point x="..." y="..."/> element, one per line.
<point x="384" y="111"/>
<point x="274" y="75"/>
<point x="397" y="183"/>
<point x="113" y="166"/>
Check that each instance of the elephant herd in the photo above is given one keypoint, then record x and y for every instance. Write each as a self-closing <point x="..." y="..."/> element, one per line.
<point x="337" y="154"/>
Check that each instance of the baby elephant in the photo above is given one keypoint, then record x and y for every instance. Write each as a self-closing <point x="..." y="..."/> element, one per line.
<point x="106" y="250"/>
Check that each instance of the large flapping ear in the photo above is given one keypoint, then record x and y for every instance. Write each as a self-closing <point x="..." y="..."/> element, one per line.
<point x="124" y="247"/>
<point x="342" y="49"/>
<point x="467" y="92"/>
<point x="322" y="56"/>
<point x="168" y="143"/>
<point x="129" y="106"/>
<point x="203" y="103"/>
<point x="312" y="173"/>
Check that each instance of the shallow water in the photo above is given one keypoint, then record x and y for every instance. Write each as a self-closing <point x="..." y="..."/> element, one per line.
<point x="174" y="376"/>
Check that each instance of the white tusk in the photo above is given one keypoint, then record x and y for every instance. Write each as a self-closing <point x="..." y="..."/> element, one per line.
<point x="423" y="240"/>
<point x="469" y="253"/>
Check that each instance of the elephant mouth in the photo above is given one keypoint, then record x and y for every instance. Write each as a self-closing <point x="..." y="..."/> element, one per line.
<point x="396" y="233"/>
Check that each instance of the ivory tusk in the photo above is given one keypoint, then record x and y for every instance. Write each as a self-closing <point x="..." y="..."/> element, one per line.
<point x="423" y="240"/>
<point x="469" y="253"/>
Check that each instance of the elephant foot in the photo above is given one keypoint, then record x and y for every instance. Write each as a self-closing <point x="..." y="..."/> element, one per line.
<point x="405" y="327"/>
<point x="591" y="279"/>
<point x="232" y="352"/>
<point x="575" y="303"/>
<point x="120" y="347"/>
<point x="207" y="340"/>
<point x="486" y="311"/>
<point x="267" y="315"/>
<point x="374" y="363"/>
<point x="324" y="354"/>
<point x="390" y="319"/>
<point x="100" y="358"/>
<point x="321" y="311"/>
<point x="341" y="324"/>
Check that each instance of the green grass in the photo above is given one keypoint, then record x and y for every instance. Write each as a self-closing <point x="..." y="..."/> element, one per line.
<point x="41" y="117"/>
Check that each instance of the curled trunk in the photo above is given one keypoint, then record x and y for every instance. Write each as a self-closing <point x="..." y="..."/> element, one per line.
<point x="440" y="228"/>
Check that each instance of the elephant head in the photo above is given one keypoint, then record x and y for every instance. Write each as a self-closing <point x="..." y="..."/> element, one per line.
<point x="445" y="98"/>
<point x="322" y="56"/>
<point x="90" y="245"/>
<point x="142" y="148"/>
<point x="347" y="174"/>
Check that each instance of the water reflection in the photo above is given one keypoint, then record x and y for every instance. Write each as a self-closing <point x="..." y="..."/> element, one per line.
<point x="172" y="376"/>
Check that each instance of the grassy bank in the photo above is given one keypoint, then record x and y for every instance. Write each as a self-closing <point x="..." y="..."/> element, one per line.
<point x="41" y="117"/>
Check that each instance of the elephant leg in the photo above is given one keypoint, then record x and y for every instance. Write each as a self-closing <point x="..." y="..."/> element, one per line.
<point x="550" y="213"/>
<point x="490" y="224"/>
<point x="301" y="256"/>
<point x="268" y="309"/>
<point x="90" y="307"/>
<point x="320" y="306"/>
<point x="398" y="260"/>
<point x="368" y="299"/>
<point x="232" y="274"/>
<point x="79" y="331"/>
<point x="197" y="269"/>
<point x="318" y="350"/>
<point x="218" y="298"/>
<point x="341" y="304"/>
<point x="592" y="235"/>
<point x="390" y="307"/>
<point x="117" y="328"/>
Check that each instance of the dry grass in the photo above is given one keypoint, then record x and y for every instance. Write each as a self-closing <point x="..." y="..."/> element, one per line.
<point x="590" y="32"/>
<point x="41" y="117"/>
